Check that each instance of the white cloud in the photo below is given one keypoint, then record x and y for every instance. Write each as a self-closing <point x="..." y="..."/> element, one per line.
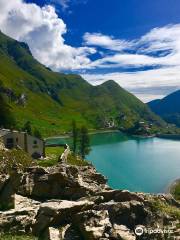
<point x="159" y="49"/>
<point x="44" y="32"/>
<point x="108" y="42"/>
<point x="165" y="39"/>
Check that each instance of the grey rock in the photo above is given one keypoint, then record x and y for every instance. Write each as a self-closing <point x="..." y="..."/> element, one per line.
<point x="92" y="224"/>
<point x="53" y="213"/>
<point x="17" y="221"/>
<point x="121" y="232"/>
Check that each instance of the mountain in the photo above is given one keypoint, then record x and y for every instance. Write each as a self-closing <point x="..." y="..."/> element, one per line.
<point x="168" y="108"/>
<point x="50" y="100"/>
<point x="6" y="117"/>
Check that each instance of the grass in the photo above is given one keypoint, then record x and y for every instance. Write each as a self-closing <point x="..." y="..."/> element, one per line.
<point x="52" y="156"/>
<point x="53" y="153"/>
<point x="15" y="237"/>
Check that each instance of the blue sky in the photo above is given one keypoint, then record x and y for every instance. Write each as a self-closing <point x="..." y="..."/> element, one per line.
<point x="134" y="42"/>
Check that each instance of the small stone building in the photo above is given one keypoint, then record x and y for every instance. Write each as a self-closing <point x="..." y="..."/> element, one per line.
<point x="35" y="147"/>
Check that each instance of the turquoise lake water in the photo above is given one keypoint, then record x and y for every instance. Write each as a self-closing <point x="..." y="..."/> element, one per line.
<point x="136" y="164"/>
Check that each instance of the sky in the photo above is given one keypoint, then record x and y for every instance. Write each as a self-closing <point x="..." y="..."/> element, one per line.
<point x="134" y="42"/>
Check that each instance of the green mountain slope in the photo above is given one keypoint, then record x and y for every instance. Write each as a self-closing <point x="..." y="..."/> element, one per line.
<point x="168" y="107"/>
<point x="51" y="100"/>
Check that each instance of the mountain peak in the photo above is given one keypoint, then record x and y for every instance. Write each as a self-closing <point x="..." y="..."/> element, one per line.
<point x="111" y="83"/>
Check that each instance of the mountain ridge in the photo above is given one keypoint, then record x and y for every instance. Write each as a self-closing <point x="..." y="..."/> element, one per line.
<point x="168" y="107"/>
<point x="52" y="100"/>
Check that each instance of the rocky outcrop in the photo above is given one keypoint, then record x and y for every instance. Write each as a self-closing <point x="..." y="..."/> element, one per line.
<point x="61" y="182"/>
<point x="75" y="203"/>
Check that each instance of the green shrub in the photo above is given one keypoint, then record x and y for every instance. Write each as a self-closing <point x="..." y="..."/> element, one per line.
<point x="14" y="159"/>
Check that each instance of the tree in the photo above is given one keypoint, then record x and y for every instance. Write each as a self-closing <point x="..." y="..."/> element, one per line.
<point x="37" y="133"/>
<point x="84" y="142"/>
<point x="27" y="127"/>
<point x="75" y="133"/>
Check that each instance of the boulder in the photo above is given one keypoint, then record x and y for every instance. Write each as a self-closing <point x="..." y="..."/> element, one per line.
<point x="52" y="234"/>
<point x="130" y="213"/>
<point x="93" y="224"/>
<point x="66" y="232"/>
<point x="21" y="202"/>
<point x="3" y="181"/>
<point x="17" y="221"/>
<point x="121" y="196"/>
<point x="53" y="213"/>
<point x="121" y="232"/>
<point x="6" y="193"/>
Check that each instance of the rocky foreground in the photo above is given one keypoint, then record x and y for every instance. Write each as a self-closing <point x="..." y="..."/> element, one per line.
<point x="75" y="203"/>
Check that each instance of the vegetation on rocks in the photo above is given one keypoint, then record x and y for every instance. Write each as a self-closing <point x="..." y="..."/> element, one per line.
<point x="76" y="160"/>
<point x="14" y="159"/>
<point x="164" y="207"/>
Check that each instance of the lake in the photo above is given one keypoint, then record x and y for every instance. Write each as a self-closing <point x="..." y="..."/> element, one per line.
<point x="134" y="163"/>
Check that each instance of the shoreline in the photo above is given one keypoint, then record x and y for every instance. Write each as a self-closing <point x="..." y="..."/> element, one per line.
<point x="93" y="132"/>
<point x="169" y="136"/>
